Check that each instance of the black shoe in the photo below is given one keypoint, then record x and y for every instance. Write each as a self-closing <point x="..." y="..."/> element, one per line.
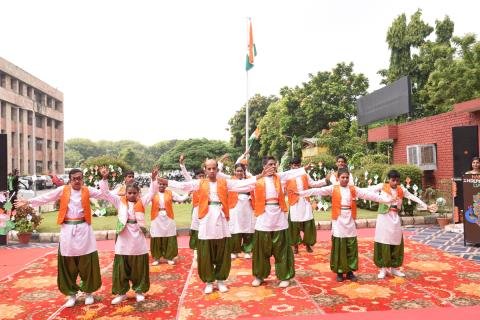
<point x="340" y="277"/>
<point x="309" y="249"/>
<point x="351" y="276"/>
<point x="295" y="249"/>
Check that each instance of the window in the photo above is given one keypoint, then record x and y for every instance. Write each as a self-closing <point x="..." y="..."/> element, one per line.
<point x="49" y="165"/>
<point x="29" y="142"/>
<point x="2" y="80"/>
<point x="38" y="144"/>
<point x="56" y="145"/>
<point x="57" y="124"/>
<point x="423" y="156"/>
<point x="49" y="144"/>
<point x="3" y="106"/>
<point x="30" y="92"/>
<point x="13" y="114"/>
<point x="20" y="115"/>
<point x="29" y="118"/>
<point x="39" y="166"/>
<point x="13" y="139"/>
<point x="39" y="121"/>
<point x="49" y="122"/>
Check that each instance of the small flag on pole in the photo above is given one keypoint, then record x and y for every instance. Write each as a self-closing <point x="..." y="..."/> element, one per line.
<point x="252" y="50"/>
<point x="254" y="136"/>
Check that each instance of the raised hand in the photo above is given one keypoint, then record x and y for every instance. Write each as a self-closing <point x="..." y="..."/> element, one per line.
<point x="154" y="172"/>
<point x="20" y="203"/>
<point x="182" y="159"/>
<point x="309" y="166"/>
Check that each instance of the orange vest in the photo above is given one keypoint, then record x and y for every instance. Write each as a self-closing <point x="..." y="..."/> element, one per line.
<point x="337" y="201"/>
<point x="388" y="190"/>
<point x="167" y="202"/>
<point x="195" y="198"/>
<point x="260" y="195"/>
<point x="137" y="207"/>
<point x="203" y="194"/>
<point x="233" y="198"/>
<point x="292" y="188"/>
<point x="65" y="200"/>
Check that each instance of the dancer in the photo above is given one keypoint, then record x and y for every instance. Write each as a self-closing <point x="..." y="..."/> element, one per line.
<point x="163" y="231"/>
<point x="242" y="219"/>
<point x="340" y="162"/>
<point x="120" y="189"/>
<point x="388" y="248"/>
<point x="344" y="255"/>
<point x="214" y="260"/>
<point x="77" y="252"/>
<point x="300" y="217"/>
<point x="199" y="174"/>
<point x="271" y="226"/>
<point x="131" y="252"/>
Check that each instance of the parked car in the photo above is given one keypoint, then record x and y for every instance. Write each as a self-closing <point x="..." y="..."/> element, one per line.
<point x="48" y="182"/>
<point x="64" y="178"/>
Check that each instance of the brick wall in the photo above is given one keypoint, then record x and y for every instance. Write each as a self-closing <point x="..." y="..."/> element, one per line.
<point x="431" y="130"/>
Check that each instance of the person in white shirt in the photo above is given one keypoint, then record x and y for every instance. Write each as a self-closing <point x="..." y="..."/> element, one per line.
<point x="163" y="230"/>
<point x="388" y="247"/>
<point x="344" y="254"/>
<point x="271" y="226"/>
<point x="300" y="217"/>
<point x="242" y="219"/>
<point x="131" y="252"/>
<point x="214" y="260"/>
<point x="77" y="254"/>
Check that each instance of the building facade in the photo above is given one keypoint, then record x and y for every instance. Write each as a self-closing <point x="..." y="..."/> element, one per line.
<point x="438" y="132"/>
<point x="32" y="118"/>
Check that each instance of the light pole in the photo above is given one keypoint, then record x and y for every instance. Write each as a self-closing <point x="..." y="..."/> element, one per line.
<point x="291" y="139"/>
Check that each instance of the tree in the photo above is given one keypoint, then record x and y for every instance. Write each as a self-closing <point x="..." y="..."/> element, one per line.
<point x="342" y="138"/>
<point x="73" y="158"/>
<point x="85" y="147"/>
<point x="303" y="112"/>
<point x="257" y="106"/>
<point x="195" y="151"/>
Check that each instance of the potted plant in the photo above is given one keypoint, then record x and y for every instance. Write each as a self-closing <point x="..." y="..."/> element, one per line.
<point x="26" y="220"/>
<point x="442" y="218"/>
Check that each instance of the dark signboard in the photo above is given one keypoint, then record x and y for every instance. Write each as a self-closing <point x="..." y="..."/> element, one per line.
<point x="387" y="102"/>
<point x="471" y="198"/>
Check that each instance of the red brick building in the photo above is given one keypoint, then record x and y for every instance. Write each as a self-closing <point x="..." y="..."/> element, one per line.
<point x="433" y="139"/>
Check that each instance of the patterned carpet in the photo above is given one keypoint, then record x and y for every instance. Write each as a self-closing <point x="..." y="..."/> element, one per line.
<point x="434" y="279"/>
<point x="32" y="293"/>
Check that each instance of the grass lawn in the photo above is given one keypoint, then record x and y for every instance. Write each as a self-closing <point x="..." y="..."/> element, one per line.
<point x="182" y="217"/>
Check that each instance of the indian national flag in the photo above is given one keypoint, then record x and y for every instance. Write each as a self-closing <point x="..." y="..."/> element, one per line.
<point x="252" y="50"/>
<point x="254" y="136"/>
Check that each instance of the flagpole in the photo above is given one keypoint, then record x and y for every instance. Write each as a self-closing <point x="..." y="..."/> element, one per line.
<point x="246" y="107"/>
<point x="246" y="119"/>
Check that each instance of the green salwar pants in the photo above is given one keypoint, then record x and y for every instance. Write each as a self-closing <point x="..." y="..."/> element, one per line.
<point x="309" y="232"/>
<point x="130" y="268"/>
<point x="213" y="259"/>
<point x="388" y="255"/>
<point x="241" y="242"/>
<point x="69" y="268"/>
<point x="344" y="254"/>
<point x="276" y="243"/>
<point x="193" y="239"/>
<point x="166" y="247"/>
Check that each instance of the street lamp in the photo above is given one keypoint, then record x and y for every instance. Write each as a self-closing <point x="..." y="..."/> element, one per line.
<point x="291" y="139"/>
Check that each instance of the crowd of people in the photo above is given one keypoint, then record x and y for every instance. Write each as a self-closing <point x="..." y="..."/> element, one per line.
<point x="241" y="216"/>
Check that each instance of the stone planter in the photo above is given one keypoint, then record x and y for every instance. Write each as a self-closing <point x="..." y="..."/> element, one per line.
<point x="24" y="238"/>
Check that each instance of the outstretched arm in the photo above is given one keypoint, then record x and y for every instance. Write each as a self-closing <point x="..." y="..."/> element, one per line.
<point x="325" y="191"/>
<point x="423" y="205"/>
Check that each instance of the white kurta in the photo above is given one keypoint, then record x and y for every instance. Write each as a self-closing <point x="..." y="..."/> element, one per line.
<point x="163" y="225"/>
<point x="214" y="225"/>
<point x="388" y="229"/>
<point x="344" y="226"/>
<point x="242" y="218"/>
<point x="302" y="210"/>
<point x="75" y="239"/>
<point x="274" y="219"/>
<point x="131" y="240"/>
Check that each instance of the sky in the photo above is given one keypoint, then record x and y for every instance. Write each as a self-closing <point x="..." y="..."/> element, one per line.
<point x="150" y="71"/>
